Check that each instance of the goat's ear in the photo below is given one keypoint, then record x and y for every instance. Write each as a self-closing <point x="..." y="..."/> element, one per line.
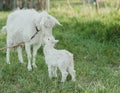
<point x="55" y="21"/>
<point x="37" y="22"/>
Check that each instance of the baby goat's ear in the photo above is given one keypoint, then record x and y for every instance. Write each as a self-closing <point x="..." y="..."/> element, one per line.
<point x="56" y="41"/>
<point x="57" y="22"/>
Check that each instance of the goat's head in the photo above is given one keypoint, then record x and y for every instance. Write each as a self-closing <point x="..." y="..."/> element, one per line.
<point x="46" y="22"/>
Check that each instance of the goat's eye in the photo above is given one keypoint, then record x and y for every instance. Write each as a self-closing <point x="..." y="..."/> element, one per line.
<point x="48" y="39"/>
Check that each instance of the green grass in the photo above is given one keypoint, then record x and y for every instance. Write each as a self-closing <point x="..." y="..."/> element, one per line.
<point x="94" y="41"/>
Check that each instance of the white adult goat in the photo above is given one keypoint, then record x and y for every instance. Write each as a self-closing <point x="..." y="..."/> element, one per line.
<point x="30" y="27"/>
<point x="58" y="58"/>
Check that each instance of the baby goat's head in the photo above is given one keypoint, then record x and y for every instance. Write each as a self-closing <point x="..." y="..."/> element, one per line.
<point x="50" y="41"/>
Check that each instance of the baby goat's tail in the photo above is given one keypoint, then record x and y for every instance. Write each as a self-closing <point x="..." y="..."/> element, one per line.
<point x="69" y="54"/>
<point x="71" y="58"/>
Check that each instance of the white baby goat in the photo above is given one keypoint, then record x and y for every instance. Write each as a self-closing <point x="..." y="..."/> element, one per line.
<point x="29" y="27"/>
<point x="58" y="58"/>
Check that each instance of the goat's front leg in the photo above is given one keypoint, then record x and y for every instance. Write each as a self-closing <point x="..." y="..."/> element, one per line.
<point x="35" y="49"/>
<point x="28" y="51"/>
<point x="50" y="71"/>
<point x="19" y="50"/>
<point x="54" y="71"/>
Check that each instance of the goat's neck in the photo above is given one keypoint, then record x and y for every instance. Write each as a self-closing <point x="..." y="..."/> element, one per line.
<point x="48" y="49"/>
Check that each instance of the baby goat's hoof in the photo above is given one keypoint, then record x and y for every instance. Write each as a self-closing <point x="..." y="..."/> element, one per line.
<point x="62" y="81"/>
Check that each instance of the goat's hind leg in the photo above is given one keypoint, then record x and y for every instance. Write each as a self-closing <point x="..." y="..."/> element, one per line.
<point x="64" y="74"/>
<point x="72" y="72"/>
<point x="9" y="44"/>
<point x="54" y="71"/>
<point x="8" y="55"/>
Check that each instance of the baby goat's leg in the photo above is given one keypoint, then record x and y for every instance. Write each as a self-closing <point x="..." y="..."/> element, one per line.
<point x="19" y="50"/>
<point x="64" y="74"/>
<point x="50" y="71"/>
<point x="35" y="49"/>
<point x="55" y="71"/>
<point x="72" y="72"/>
<point x="28" y="51"/>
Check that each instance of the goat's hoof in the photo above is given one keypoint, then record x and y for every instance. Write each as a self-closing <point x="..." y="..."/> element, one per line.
<point x="22" y="62"/>
<point x="29" y="68"/>
<point x="34" y="66"/>
<point x="8" y="62"/>
<point x="62" y="81"/>
<point x="73" y="80"/>
<point x="50" y="77"/>
<point x="55" y="76"/>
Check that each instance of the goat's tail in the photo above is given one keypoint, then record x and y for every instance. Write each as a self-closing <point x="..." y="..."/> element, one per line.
<point x="70" y="54"/>
<point x="3" y="29"/>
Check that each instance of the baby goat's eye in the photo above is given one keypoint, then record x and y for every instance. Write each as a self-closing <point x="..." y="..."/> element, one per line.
<point x="48" y="39"/>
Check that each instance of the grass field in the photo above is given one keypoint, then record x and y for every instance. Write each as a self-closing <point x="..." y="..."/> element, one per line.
<point x="95" y="42"/>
